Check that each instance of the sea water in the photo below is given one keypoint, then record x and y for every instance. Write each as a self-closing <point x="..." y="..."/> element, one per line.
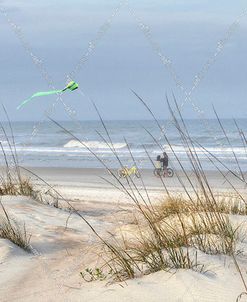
<point x="47" y="145"/>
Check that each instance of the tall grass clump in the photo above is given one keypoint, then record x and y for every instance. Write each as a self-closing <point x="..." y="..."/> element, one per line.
<point x="12" y="230"/>
<point x="12" y="182"/>
<point x="12" y="179"/>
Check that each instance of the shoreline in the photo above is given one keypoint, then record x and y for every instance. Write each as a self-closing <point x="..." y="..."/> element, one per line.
<point x="97" y="185"/>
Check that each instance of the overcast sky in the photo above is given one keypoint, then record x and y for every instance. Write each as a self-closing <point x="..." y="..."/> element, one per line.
<point x="187" y="32"/>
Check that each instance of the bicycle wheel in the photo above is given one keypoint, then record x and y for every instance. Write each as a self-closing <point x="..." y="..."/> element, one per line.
<point x="120" y="173"/>
<point x="137" y="174"/>
<point x="157" y="172"/>
<point x="170" y="172"/>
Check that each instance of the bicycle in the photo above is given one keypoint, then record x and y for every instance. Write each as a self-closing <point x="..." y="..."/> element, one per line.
<point x="159" y="172"/>
<point x="125" y="172"/>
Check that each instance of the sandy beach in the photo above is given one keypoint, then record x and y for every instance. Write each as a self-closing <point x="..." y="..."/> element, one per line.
<point x="62" y="248"/>
<point x="97" y="185"/>
<point x="123" y="151"/>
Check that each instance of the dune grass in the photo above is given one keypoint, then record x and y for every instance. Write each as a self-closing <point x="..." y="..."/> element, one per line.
<point x="12" y="230"/>
<point x="12" y="179"/>
<point x="169" y="238"/>
<point x="164" y="237"/>
<point x="171" y="235"/>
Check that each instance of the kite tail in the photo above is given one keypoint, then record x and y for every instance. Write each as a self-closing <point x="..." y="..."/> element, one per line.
<point x="23" y="103"/>
<point x="37" y="95"/>
<point x="70" y="86"/>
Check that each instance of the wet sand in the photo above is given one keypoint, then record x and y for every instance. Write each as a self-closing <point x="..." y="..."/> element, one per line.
<point x="99" y="186"/>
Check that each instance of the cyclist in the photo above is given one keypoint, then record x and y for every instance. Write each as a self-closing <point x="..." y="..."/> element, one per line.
<point x="164" y="161"/>
<point x="158" y="163"/>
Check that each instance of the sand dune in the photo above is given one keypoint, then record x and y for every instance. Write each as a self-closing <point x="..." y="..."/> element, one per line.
<point x="52" y="271"/>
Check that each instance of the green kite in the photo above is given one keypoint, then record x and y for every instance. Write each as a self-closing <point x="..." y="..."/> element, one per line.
<point x="71" y="86"/>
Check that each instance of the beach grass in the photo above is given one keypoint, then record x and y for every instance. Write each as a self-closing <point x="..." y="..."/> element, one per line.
<point x="13" y="180"/>
<point x="170" y="236"/>
<point x="14" y="231"/>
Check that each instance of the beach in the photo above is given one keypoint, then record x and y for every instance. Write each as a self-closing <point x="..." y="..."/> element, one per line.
<point x="71" y="206"/>
<point x="98" y="186"/>
<point x="123" y="151"/>
<point x="63" y="245"/>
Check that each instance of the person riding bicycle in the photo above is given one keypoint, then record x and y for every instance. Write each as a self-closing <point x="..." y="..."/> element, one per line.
<point x="161" y="166"/>
<point x="158" y="163"/>
<point x="164" y="161"/>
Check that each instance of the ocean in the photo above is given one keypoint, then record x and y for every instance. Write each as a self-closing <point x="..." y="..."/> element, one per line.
<point x="47" y="145"/>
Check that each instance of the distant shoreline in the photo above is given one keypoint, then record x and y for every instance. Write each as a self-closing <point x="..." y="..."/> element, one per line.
<point x="94" y="185"/>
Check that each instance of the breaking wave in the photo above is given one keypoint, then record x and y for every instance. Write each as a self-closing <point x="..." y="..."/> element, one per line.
<point x="92" y="145"/>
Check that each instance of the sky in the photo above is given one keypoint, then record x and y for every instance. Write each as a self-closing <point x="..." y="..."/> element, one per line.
<point x="155" y="48"/>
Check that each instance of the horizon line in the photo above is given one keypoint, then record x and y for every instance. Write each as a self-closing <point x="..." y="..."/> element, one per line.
<point x="129" y="120"/>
